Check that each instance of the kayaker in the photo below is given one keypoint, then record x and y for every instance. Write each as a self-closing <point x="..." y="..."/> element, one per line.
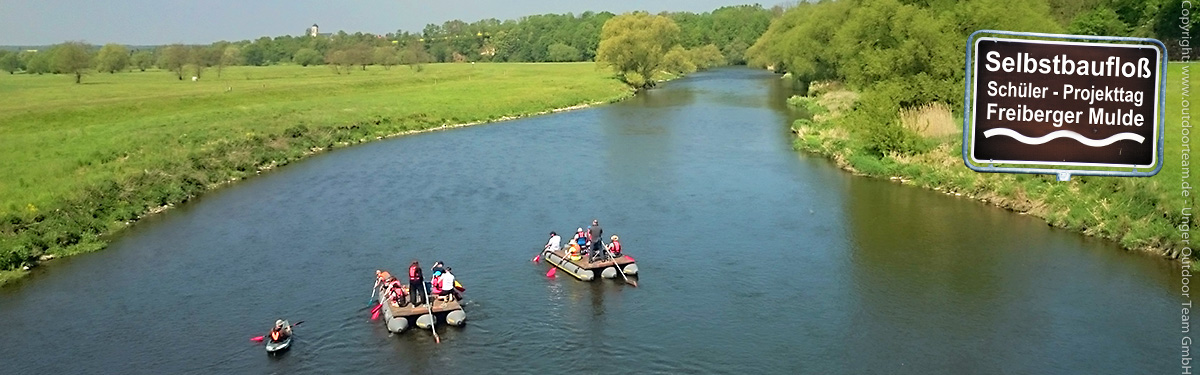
<point x="416" y="284"/>
<point x="595" y="232"/>
<point x="615" y="246"/>
<point x="280" y="332"/>
<point x="555" y="242"/>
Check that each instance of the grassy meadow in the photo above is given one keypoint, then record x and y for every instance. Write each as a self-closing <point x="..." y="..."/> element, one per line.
<point x="1139" y="213"/>
<point x="81" y="161"/>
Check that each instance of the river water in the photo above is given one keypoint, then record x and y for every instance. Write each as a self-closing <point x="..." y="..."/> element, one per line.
<point x="754" y="258"/>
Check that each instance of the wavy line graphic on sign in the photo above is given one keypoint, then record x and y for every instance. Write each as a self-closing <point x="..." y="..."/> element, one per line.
<point x="1063" y="134"/>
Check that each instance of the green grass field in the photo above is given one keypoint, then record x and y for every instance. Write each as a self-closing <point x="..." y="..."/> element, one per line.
<point x="1139" y="213"/>
<point x="79" y="161"/>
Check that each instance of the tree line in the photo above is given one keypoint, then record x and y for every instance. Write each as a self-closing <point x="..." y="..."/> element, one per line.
<point x="538" y="38"/>
<point x="909" y="53"/>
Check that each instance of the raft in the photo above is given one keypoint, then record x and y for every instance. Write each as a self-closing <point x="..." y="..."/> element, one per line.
<point x="585" y="270"/>
<point x="398" y="318"/>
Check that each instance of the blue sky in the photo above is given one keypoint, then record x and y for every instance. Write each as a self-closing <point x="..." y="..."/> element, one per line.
<point x="144" y="22"/>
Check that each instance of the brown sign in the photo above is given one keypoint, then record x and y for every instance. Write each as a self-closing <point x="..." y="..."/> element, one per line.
<point x="1064" y="103"/>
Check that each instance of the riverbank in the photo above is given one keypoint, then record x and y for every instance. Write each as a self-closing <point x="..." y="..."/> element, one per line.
<point x="1142" y="214"/>
<point x="84" y="161"/>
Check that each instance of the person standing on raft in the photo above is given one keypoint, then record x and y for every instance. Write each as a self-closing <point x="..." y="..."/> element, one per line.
<point x="595" y="232"/>
<point x="416" y="284"/>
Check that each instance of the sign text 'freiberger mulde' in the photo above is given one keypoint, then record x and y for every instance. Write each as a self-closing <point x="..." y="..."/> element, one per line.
<point x="1065" y="103"/>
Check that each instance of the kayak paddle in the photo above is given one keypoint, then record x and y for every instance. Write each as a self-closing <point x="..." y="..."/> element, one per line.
<point x="256" y="339"/>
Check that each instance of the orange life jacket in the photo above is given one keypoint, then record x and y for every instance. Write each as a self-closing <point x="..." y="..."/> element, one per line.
<point x="573" y="250"/>
<point x="275" y="334"/>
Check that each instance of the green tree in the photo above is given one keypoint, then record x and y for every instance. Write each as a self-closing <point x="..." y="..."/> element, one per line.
<point x="1100" y="21"/>
<point x="387" y="56"/>
<point x="633" y="45"/>
<point x="307" y="56"/>
<point x="230" y="55"/>
<point x="339" y="58"/>
<point x="72" y="58"/>
<point x="142" y="60"/>
<point x="560" y="52"/>
<point x="414" y="55"/>
<point x="201" y="57"/>
<point x="9" y="62"/>
<point x="174" y="58"/>
<point x="678" y="61"/>
<point x="706" y="57"/>
<point x="112" y="58"/>
<point x="35" y="62"/>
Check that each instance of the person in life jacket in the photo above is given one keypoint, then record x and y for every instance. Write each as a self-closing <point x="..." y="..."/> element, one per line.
<point x="416" y="284"/>
<point x="573" y="251"/>
<point x="396" y="289"/>
<point x="435" y="284"/>
<point x="580" y="238"/>
<point x="280" y="332"/>
<point x="615" y="246"/>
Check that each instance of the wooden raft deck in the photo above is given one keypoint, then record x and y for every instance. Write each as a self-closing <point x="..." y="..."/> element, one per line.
<point x="438" y="307"/>
<point x="588" y="265"/>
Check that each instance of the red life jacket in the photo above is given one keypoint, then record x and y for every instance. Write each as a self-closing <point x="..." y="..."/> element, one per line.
<point x="436" y="283"/>
<point x="414" y="273"/>
<point x="275" y="334"/>
<point x="616" y="247"/>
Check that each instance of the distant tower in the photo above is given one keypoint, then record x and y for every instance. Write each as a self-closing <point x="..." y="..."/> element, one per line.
<point x="312" y="31"/>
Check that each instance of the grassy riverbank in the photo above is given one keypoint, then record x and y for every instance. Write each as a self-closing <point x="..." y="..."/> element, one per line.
<point x="1140" y="213"/>
<point x="83" y="161"/>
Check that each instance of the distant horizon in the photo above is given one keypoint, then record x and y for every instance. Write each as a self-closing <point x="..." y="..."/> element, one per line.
<point x="164" y="22"/>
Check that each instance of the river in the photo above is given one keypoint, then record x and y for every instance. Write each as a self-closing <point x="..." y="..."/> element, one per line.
<point x="754" y="258"/>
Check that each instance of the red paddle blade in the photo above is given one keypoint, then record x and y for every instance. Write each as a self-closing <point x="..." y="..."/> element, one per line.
<point x="551" y="272"/>
<point x="375" y="315"/>
<point x="259" y="338"/>
<point x="536" y="258"/>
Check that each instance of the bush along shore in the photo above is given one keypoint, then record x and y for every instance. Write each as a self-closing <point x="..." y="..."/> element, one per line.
<point x="1142" y="214"/>
<point x="109" y="156"/>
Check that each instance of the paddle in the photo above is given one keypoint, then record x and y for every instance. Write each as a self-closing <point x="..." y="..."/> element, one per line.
<point x="373" y="290"/>
<point x="619" y="271"/>
<point x="433" y="324"/>
<point x="375" y="312"/>
<point x="260" y="338"/>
